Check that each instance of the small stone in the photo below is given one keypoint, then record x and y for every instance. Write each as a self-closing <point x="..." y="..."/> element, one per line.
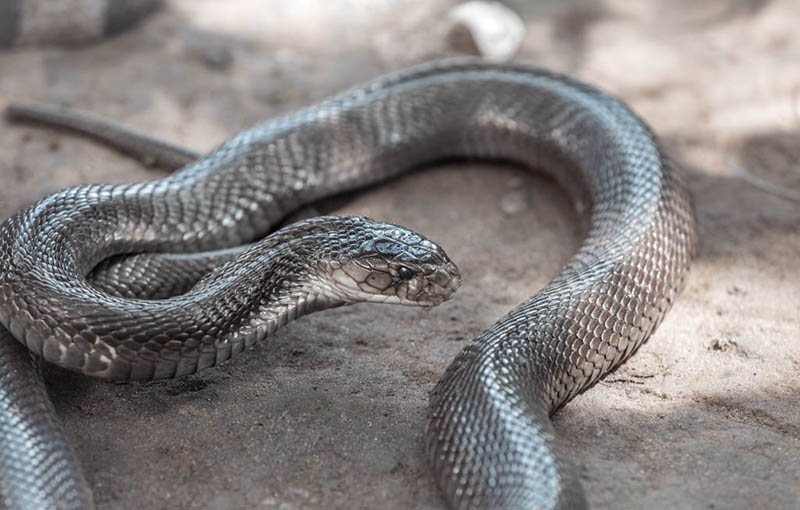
<point x="514" y="202"/>
<point x="489" y="29"/>
<point x="728" y="345"/>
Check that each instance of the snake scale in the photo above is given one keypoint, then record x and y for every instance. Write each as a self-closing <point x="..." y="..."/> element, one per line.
<point x="488" y="436"/>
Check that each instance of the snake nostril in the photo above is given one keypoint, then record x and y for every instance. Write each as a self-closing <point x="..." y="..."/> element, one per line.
<point x="438" y="278"/>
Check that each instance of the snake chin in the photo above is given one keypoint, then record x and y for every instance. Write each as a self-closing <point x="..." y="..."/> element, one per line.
<point x="418" y="292"/>
<point x="355" y="283"/>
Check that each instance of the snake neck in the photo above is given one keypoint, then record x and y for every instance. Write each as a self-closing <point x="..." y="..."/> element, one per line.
<point x="238" y="304"/>
<point x="267" y="286"/>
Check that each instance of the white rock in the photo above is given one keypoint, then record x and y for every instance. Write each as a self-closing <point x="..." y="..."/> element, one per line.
<point x="495" y="30"/>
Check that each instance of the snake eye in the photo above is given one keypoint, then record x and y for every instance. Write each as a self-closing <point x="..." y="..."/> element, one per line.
<point x="405" y="273"/>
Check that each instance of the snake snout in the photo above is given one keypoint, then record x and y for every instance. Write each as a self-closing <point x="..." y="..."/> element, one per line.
<point x="440" y="285"/>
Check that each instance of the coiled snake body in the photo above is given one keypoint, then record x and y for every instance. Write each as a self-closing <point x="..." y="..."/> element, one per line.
<point x="488" y="436"/>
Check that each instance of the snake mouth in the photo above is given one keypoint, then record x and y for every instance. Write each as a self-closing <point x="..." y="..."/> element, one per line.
<point x="425" y="290"/>
<point x="425" y="281"/>
<point x="431" y="294"/>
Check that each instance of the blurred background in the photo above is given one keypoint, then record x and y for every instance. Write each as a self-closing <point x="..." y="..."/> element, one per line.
<point x="330" y="412"/>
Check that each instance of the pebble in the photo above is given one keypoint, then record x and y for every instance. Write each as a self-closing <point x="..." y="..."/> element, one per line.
<point x="491" y="28"/>
<point x="514" y="202"/>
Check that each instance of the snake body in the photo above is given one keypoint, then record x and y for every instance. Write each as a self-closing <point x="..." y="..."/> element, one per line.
<point x="65" y="22"/>
<point x="488" y="437"/>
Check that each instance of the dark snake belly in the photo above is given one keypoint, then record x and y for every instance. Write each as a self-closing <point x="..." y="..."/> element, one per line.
<point x="489" y="437"/>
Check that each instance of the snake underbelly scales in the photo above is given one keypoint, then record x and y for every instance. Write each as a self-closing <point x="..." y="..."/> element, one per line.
<point x="488" y="435"/>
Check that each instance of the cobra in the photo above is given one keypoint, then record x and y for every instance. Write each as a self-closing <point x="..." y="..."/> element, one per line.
<point x="488" y="436"/>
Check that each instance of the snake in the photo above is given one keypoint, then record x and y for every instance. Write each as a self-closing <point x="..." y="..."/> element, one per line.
<point x="68" y="22"/>
<point x="488" y="435"/>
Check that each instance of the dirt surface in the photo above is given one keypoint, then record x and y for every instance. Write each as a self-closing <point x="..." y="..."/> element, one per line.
<point x="330" y="412"/>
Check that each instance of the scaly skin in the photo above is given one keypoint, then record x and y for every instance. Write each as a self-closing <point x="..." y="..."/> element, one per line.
<point x="489" y="438"/>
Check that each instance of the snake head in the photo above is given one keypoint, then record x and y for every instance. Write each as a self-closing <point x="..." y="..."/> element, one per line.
<point x="384" y="263"/>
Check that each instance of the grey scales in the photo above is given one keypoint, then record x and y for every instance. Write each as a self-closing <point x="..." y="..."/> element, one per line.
<point x="488" y="437"/>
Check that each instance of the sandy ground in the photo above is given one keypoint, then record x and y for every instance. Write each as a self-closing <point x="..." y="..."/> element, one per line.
<point x="330" y="412"/>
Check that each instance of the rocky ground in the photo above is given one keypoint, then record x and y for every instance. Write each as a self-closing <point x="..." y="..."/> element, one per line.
<point x="330" y="412"/>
